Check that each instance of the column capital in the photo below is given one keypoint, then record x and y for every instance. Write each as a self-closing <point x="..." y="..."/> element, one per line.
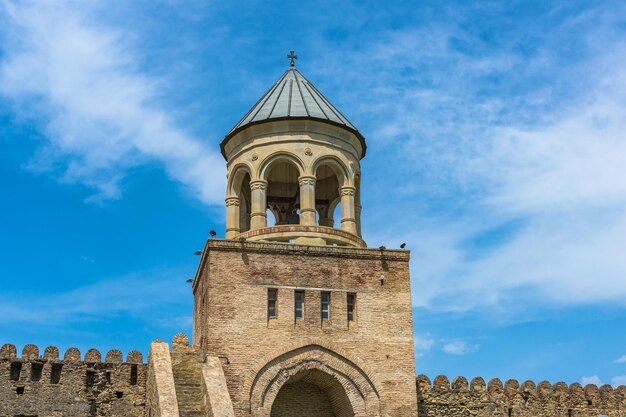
<point x="258" y="185"/>
<point x="307" y="180"/>
<point x="232" y="201"/>
<point x="347" y="190"/>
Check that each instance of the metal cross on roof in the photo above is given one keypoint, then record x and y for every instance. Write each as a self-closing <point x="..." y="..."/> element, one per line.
<point x="293" y="57"/>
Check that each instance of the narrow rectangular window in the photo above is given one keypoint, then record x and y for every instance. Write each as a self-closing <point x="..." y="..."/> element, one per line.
<point x="133" y="375"/>
<point x="16" y="369"/>
<point x="55" y="373"/>
<point x="298" y="304"/>
<point x="325" y="304"/>
<point x="36" y="370"/>
<point x="351" y="306"/>
<point x="272" y="295"/>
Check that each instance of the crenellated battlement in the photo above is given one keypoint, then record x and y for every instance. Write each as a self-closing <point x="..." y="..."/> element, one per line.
<point x="39" y="382"/>
<point x="31" y="352"/>
<point x="442" y="398"/>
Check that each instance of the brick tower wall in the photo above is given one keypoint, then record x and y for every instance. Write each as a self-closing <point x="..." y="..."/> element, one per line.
<point x="231" y="321"/>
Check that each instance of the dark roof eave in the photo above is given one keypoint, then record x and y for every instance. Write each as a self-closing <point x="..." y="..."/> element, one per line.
<point x="277" y="119"/>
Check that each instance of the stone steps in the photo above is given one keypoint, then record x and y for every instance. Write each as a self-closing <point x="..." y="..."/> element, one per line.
<point x="187" y="369"/>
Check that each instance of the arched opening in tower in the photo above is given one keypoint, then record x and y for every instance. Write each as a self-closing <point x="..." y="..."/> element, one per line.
<point x="327" y="198"/>
<point x="312" y="393"/>
<point x="283" y="193"/>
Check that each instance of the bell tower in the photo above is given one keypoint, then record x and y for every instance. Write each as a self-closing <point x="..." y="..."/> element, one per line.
<point x="304" y="319"/>
<point x="292" y="160"/>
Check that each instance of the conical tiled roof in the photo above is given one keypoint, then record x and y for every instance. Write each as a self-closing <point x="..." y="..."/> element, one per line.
<point x="293" y="97"/>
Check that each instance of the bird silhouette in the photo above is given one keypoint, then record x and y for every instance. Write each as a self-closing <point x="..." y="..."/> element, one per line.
<point x="189" y="281"/>
<point x="212" y="233"/>
<point x="403" y="245"/>
<point x="198" y="253"/>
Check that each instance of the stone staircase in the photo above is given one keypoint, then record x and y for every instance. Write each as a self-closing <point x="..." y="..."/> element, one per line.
<point x="187" y="370"/>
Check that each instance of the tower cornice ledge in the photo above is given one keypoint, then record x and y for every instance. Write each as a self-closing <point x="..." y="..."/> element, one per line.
<point x="289" y="249"/>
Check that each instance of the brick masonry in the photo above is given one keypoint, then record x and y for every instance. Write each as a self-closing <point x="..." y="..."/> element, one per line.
<point x="375" y="350"/>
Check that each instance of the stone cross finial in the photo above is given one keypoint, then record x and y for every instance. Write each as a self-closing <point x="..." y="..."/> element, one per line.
<point x="293" y="57"/>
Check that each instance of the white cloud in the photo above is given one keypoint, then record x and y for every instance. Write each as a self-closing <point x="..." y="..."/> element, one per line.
<point x="423" y="343"/>
<point x="81" y="81"/>
<point x="459" y="348"/>
<point x="132" y="294"/>
<point x="514" y="197"/>
<point x="621" y="359"/>
<point x="618" y="380"/>
<point x="585" y="380"/>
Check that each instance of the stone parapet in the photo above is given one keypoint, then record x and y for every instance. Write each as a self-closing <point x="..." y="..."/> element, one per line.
<point x="42" y="383"/>
<point x="460" y="399"/>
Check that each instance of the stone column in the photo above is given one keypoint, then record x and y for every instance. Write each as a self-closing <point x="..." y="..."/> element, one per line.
<point x="232" y="217"/>
<point x="258" y="218"/>
<point x="348" y="220"/>
<point x="307" y="200"/>
<point x="357" y="213"/>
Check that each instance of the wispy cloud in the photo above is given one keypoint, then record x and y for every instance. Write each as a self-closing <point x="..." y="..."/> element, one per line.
<point x="133" y="294"/>
<point x="512" y="162"/>
<point x="585" y="380"/>
<point x="621" y="359"/>
<point x="459" y="348"/>
<point x="423" y="343"/>
<point x="618" y="380"/>
<point x="81" y="82"/>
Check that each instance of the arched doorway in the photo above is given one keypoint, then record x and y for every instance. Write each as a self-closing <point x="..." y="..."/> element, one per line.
<point x="313" y="381"/>
<point x="312" y="393"/>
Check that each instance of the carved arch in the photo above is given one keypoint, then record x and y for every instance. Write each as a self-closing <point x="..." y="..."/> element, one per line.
<point x="235" y="179"/>
<point x="281" y="156"/>
<point x="338" y="166"/>
<point x="351" y="388"/>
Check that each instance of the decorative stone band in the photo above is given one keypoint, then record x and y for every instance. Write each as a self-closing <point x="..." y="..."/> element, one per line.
<point x="347" y="191"/>
<point x="306" y="180"/>
<point x="290" y="249"/>
<point x="232" y="201"/>
<point x="258" y="185"/>
<point x="290" y="232"/>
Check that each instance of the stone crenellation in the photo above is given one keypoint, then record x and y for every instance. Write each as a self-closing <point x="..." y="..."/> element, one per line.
<point x="512" y="399"/>
<point x="39" y="383"/>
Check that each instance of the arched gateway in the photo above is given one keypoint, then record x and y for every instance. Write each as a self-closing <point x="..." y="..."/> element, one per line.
<point x="313" y="381"/>
<point x="301" y="315"/>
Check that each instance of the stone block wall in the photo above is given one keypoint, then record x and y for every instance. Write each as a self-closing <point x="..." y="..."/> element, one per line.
<point x="512" y="399"/>
<point x="44" y="385"/>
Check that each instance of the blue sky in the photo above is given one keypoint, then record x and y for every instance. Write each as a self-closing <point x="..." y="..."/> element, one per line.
<point x="496" y="150"/>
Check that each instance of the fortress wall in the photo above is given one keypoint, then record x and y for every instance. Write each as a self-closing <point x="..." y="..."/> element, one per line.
<point x="460" y="399"/>
<point x="44" y="385"/>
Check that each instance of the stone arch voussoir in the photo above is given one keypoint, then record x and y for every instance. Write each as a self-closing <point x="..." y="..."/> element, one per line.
<point x="282" y="156"/>
<point x="235" y="179"/>
<point x="361" y="391"/>
<point x="339" y="167"/>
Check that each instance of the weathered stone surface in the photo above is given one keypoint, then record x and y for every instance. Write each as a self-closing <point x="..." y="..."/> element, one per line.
<point x="527" y="400"/>
<point x="114" y="356"/>
<point x="214" y="383"/>
<point x="160" y="388"/>
<point x="48" y="387"/>
<point x="72" y="355"/>
<point x="51" y="353"/>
